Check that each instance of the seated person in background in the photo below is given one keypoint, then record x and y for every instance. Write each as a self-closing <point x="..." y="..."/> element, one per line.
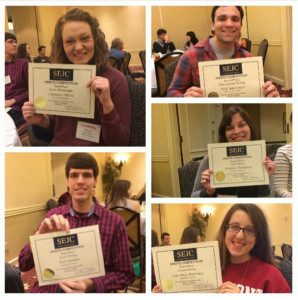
<point x="120" y="196"/>
<point x="190" y="235"/>
<point x="24" y="51"/>
<point x="79" y="40"/>
<point x="226" y="27"/>
<point x="83" y="210"/>
<point x="236" y="126"/>
<point x="164" y="45"/>
<point x="117" y="47"/>
<point x="191" y="40"/>
<point x="13" y="282"/>
<point x="283" y="172"/>
<point x="42" y="58"/>
<point x="245" y="253"/>
<point x="16" y="80"/>
<point x="165" y="239"/>
<point x="244" y="42"/>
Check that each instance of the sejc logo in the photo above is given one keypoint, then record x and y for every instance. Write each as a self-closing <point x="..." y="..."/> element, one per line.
<point x="61" y="74"/>
<point x="230" y="69"/>
<point x="66" y="241"/>
<point x="236" y="151"/>
<point x="185" y="254"/>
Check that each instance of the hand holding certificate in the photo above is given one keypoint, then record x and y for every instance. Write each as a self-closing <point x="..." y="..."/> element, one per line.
<point x="61" y="89"/>
<point x="188" y="268"/>
<point x="73" y="256"/>
<point x="242" y="77"/>
<point x="238" y="164"/>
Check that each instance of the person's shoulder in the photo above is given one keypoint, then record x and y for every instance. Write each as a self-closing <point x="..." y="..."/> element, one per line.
<point x="109" y="214"/>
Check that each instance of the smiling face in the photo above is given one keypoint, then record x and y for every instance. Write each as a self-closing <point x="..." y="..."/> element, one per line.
<point x="78" y="42"/>
<point x="81" y="184"/>
<point x="227" y="25"/>
<point x="239" y="244"/>
<point x="238" y="130"/>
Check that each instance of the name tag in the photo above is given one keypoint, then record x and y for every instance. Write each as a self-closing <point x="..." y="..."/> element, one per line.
<point x="7" y="79"/>
<point x="88" y="132"/>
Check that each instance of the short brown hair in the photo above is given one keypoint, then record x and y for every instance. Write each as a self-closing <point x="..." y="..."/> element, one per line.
<point x="100" y="58"/>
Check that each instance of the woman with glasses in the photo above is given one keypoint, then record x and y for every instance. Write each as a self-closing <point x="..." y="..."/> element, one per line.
<point x="236" y="126"/>
<point x="245" y="253"/>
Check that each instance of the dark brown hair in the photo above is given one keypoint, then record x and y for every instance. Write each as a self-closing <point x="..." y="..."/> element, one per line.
<point x="119" y="193"/>
<point x="22" y="51"/>
<point x="262" y="247"/>
<point x="227" y="119"/>
<point x="100" y="58"/>
<point x="215" y="8"/>
<point x="81" y="161"/>
<point x="190" y="235"/>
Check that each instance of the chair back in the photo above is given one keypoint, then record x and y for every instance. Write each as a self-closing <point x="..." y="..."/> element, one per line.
<point x="263" y="49"/>
<point x="138" y="106"/>
<point x="163" y="81"/>
<point x="142" y="55"/>
<point x="126" y="61"/>
<point x="23" y="134"/>
<point x="116" y="63"/>
<point x="187" y="175"/>
<point x="285" y="268"/>
<point x="286" y="251"/>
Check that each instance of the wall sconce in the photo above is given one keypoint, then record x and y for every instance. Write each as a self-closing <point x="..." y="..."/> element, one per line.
<point x="10" y="24"/>
<point x="206" y="212"/>
<point x="121" y="158"/>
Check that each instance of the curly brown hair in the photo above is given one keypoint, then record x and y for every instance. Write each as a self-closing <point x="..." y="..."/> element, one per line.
<point x="100" y="58"/>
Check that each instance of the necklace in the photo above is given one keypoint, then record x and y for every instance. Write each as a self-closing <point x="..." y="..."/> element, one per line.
<point x="246" y="267"/>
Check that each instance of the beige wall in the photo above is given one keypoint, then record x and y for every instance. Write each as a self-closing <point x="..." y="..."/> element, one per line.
<point x="126" y="22"/>
<point x="175" y="217"/>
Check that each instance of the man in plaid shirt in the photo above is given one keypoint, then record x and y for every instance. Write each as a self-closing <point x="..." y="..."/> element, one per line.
<point x="16" y="79"/>
<point x="83" y="210"/>
<point x="226" y="27"/>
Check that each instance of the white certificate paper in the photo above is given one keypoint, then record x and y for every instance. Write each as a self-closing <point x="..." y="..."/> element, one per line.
<point x="239" y="77"/>
<point x="188" y="268"/>
<point x="237" y="164"/>
<point x="60" y="89"/>
<point x="73" y="256"/>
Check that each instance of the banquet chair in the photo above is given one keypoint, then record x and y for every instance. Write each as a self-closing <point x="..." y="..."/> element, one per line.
<point x="285" y="268"/>
<point x="132" y="223"/>
<point x="187" y="175"/>
<point x="138" y="106"/>
<point x="23" y="134"/>
<point x="161" y="67"/>
<point x="116" y="63"/>
<point x="142" y="55"/>
<point x="125" y="65"/>
<point x="286" y="251"/>
<point x="263" y="47"/>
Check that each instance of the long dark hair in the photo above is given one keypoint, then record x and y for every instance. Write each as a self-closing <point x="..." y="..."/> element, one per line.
<point x="262" y="247"/>
<point x="119" y="193"/>
<point x="100" y="58"/>
<point x="227" y="119"/>
<point x="22" y="51"/>
<point x="193" y="38"/>
<point x="190" y="235"/>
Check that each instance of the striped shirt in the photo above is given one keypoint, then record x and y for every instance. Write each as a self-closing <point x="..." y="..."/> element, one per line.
<point x="283" y="172"/>
<point x="187" y="71"/>
<point x="114" y="242"/>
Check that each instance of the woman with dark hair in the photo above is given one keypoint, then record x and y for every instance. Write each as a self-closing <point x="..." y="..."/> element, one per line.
<point x="236" y="126"/>
<point x="190" y="235"/>
<point x="245" y="253"/>
<point x="24" y="51"/>
<point x="79" y="40"/>
<point x="120" y="194"/>
<point x="191" y="39"/>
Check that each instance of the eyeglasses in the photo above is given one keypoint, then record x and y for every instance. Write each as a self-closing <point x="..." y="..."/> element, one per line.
<point x="235" y="228"/>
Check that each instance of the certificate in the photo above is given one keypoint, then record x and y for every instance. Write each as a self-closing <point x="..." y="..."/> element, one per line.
<point x="73" y="256"/>
<point x="188" y="268"/>
<point x="237" y="164"/>
<point x="241" y="77"/>
<point x="60" y="89"/>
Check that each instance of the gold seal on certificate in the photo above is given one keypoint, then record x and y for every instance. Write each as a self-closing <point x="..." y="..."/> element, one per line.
<point x="237" y="164"/>
<point x="240" y="77"/>
<point x="73" y="256"/>
<point x="60" y="89"/>
<point x="188" y="268"/>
